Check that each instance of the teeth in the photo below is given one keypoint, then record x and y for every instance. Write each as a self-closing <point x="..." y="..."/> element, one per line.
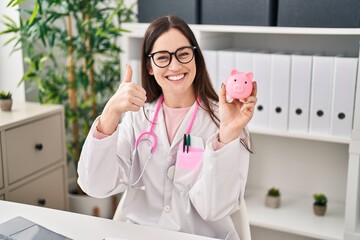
<point x="176" y="77"/>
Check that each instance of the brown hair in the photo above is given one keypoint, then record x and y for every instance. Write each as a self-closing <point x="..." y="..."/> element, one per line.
<point x="203" y="88"/>
<point x="202" y="85"/>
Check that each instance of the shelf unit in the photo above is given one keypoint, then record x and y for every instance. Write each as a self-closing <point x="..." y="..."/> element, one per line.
<point x="300" y="164"/>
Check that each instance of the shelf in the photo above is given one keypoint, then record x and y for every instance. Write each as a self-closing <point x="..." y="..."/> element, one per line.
<point x="138" y="29"/>
<point x="307" y="136"/>
<point x="295" y="216"/>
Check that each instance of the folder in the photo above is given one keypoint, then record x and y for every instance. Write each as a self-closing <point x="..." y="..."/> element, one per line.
<point x="300" y="89"/>
<point x="210" y="57"/>
<point x="279" y="91"/>
<point x="261" y="68"/>
<point x="226" y="62"/>
<point x="243" y="61"/>
<point x="321" y="95"/>
<point x="343" y="96"/>
<point x="135" y="64"/>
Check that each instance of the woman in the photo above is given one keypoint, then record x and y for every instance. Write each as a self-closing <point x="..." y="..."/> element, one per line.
<point x="189" y="171"/>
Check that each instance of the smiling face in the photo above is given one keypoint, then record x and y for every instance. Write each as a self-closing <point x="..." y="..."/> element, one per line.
<point x="176" y="79"/>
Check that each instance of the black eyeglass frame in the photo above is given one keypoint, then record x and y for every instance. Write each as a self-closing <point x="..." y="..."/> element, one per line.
<point x="151" y="55"/>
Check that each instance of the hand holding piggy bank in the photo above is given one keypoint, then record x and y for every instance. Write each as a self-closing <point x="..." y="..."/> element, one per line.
<point x="238" y="85"/>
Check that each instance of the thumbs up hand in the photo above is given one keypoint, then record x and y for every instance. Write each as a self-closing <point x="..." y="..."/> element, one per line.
<point x="128" y="97"/>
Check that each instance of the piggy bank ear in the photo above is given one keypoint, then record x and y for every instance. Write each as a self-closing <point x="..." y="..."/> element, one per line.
<point x="233" y="72"/>
<point x="249" y="75"/>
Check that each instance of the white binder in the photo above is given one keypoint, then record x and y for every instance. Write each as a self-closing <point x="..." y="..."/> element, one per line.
<point x="279" y="91"/>
<point x="261" y="69"/>
<point x="226" y="62"/>
<point x="300" y="88"/>
<point x="321" y="94"/>
<point x="210" y="57"/>
<point x="243" y="61"/>
<point x="343" y="96"/>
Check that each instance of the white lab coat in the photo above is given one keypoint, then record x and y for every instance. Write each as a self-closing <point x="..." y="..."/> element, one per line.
<point x="197" y="200"/>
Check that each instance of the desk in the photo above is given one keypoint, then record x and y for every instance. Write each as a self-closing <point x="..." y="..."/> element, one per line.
<point x="84" y="227"/>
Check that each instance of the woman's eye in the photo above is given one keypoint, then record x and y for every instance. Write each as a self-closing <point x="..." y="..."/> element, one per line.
<point x="162" y="58"/>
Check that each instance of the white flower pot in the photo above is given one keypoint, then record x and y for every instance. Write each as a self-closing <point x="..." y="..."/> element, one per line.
<point x="100" y="207"/>
<point x="272" y="202"/>
<point x="6" y="104"/>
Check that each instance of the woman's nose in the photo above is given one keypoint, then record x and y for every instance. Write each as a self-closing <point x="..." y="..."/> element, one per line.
<point x="174" y="64"/>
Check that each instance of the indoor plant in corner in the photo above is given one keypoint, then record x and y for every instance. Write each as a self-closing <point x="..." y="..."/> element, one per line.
<point x="72" y="55"/>
<point x="272" y="198"/>
<point x="5" y="101"/>
<point x="320" y="204"/>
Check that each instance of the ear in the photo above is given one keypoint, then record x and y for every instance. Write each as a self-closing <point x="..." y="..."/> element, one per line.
<point x="249" y="75"/>
<point x="233" y="72"/>
<point x="151" y="72"/>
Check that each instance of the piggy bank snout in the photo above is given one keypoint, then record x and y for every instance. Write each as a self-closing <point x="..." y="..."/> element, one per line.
<point x="241" y="86"/>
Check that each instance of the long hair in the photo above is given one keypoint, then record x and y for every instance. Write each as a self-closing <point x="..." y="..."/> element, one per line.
<point x="202" y="85"/>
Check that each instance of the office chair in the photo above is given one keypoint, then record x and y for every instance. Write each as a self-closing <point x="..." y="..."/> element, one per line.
<point x="239" y="218"/>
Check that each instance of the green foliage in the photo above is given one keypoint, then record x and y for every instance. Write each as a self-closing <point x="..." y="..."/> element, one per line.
<point x="274" y="192"/>
<point x="320" y="199"/>
<point x="5" y="95"/>
<point x="72" y="55"/>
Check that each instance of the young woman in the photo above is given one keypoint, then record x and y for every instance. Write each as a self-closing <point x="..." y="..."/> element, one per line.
<point x="180" y="151"/>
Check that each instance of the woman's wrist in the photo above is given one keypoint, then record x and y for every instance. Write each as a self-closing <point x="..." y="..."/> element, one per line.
<point x="228" y="135"/>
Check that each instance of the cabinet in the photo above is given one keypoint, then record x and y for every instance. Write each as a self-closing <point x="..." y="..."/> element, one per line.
<point x="300" y="164"/>
<point x="33" y="155"/>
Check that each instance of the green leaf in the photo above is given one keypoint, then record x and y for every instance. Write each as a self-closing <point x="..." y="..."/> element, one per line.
<point x="34" y="13"/>
<point x="9" y="41"/>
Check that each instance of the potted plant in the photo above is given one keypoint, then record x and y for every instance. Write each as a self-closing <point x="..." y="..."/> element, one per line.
<point x="72" y="55"/>
<point x="5" y="101"/>
<point x="320" y="204"/>
<point x="272" y="198"/>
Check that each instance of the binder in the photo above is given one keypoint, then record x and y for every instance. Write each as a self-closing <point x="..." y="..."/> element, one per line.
<point x="210" y="57"/>
<point x="300" y="89"/>
<point x="343" y="96"/>
<point x="279" y="91"/>
<point x="243" y="61"/>
<point x="321" y="95"/>
<point x="261" y="69"/>
<point x="226" y="62"/>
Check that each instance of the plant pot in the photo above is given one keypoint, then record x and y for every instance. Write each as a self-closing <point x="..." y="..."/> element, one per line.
<point x="272" y="202"/>
<point x="319" y="210"/>
<point x="5" y="105"/>
<point x="99" y="207"/>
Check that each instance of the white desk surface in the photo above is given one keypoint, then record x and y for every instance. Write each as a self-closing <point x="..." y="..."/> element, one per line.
<point x="84" y="227"/>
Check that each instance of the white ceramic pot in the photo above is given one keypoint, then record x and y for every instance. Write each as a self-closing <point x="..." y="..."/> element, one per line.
<point x="100" y="207"/>
<point x="5" y="105"/>
<point x="273" y="202"/>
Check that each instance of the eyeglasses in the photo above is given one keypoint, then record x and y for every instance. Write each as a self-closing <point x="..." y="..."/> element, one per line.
<point x="163" y="59"/>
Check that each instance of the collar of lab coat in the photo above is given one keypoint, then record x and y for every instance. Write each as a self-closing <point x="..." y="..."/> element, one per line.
<point x="160" y="127"/>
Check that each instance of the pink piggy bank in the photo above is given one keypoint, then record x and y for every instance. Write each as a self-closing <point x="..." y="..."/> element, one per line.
<point x="238" y="85"/>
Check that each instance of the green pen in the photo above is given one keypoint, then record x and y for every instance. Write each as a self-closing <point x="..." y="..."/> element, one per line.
<point x="188" y="143"/>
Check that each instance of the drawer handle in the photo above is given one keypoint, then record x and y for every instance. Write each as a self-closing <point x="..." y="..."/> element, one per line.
<point x="42" y="201"/>
<point x="39" y="146"/>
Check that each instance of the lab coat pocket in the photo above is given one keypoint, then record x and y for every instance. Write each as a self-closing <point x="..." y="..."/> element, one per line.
<point x="188" y="166"/>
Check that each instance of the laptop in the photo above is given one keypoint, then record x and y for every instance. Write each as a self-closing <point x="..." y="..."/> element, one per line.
<point x="20" y="228"/>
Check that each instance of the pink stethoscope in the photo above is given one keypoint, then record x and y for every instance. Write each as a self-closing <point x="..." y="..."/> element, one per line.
<point x="151" y="133"/>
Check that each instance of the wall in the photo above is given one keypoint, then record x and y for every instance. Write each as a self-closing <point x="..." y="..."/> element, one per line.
<point x="11" y="65"/>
